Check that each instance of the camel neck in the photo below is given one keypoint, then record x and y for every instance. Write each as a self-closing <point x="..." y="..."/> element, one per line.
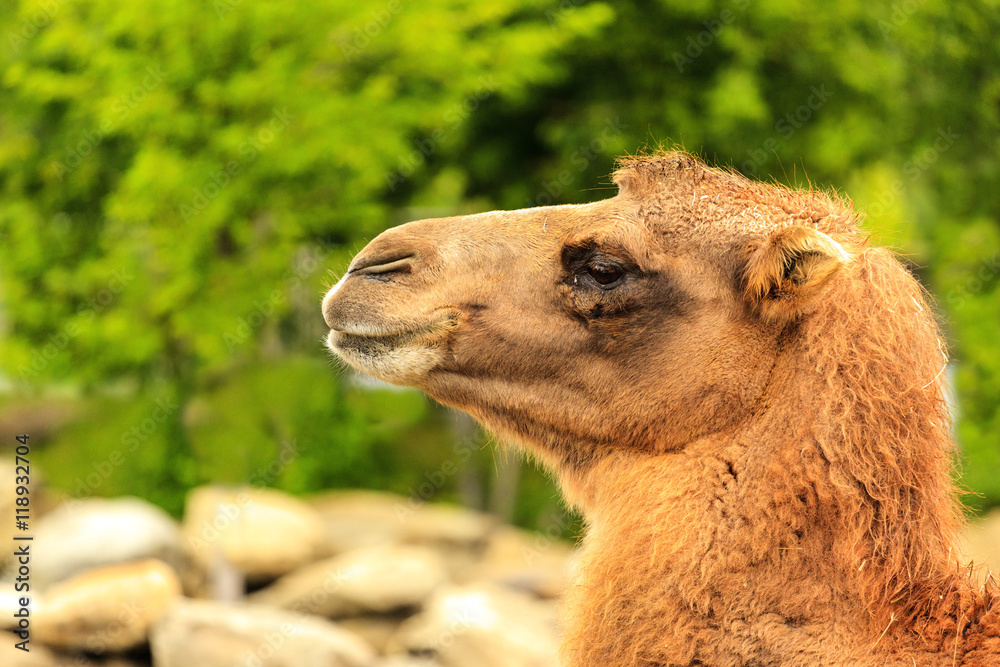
<point x="755" y="522"/>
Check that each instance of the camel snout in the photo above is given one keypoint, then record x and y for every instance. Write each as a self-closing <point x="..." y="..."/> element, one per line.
<point x="400" y="256"/>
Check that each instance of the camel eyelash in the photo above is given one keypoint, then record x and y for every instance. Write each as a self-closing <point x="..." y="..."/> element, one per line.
<point x="576" y="258"/>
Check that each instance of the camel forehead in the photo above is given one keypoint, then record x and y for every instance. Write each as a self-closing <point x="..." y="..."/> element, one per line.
<point x="542" y="229"/>
<point x="556" y="221"/>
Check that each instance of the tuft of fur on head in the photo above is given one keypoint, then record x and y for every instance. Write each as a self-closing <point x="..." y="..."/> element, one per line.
<point x="639" y="175"/>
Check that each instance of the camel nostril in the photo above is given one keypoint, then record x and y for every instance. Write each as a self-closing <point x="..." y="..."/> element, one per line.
<point x="404" y="265"/>
<point x="394" y="263"/>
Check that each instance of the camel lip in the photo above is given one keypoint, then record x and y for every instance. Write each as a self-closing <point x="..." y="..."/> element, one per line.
<point x="353" y="336"/>
<point x="356" y="332"/>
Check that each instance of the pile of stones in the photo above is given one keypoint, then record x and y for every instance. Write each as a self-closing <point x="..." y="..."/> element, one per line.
<point x="253" y="577"/>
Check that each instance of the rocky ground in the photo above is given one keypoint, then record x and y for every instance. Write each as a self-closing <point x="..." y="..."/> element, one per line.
<point x="256" y="578"/>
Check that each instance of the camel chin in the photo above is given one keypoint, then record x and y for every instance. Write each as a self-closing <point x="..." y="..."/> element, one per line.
<point x="398" y="355"/>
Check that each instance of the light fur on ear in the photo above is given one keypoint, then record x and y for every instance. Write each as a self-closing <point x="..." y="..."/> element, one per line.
<point x="786" y="272"/>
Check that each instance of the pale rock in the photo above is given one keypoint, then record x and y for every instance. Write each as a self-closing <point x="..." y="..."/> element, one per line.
<point x="81" y="660"/>
<point x="370" y="579"/>
<point x="263" y="533"/>
<point x="533" y="562"/>
<point x="36" y="656"/>
<point x="407" y="661"/>
<point x="981" y="543"/>
<point x="109" y="609"/>
<point x="482" y="626"/>
<point x="355" y="519"/>
<point x="376" y="629"/>
<point x="366" y="518"/>
<point x="213" y="634"/>
<point x="459" y="534"/>
<point x="84" y="534"/>
<point x="447" y="525"/>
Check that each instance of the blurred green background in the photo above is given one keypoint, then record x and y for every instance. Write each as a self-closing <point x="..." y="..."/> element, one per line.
<point x="180" y="180"/>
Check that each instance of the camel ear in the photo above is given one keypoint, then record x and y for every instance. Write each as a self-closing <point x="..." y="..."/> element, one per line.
<point x="787" y="271"/>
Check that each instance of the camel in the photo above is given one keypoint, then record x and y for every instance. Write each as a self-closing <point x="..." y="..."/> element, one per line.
<point x="741" y="395"/>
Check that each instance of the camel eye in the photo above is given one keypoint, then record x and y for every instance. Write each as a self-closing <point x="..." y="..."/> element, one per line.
<point x="605" y="274"/>
<point x="591" y="268"/>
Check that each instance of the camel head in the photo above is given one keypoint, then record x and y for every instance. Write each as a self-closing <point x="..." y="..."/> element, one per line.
<point x="642" y="321"/>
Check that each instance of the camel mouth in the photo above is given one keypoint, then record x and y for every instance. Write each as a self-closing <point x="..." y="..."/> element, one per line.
<point x="402" y="356"/>
<point x="373" y="340"/>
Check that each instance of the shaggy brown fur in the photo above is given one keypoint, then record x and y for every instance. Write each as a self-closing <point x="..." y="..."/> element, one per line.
<point x="742" y="396"/>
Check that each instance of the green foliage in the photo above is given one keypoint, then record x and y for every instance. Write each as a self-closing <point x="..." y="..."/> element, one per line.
<point x="181" y="179"/>
<point x="114" y="447"/>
